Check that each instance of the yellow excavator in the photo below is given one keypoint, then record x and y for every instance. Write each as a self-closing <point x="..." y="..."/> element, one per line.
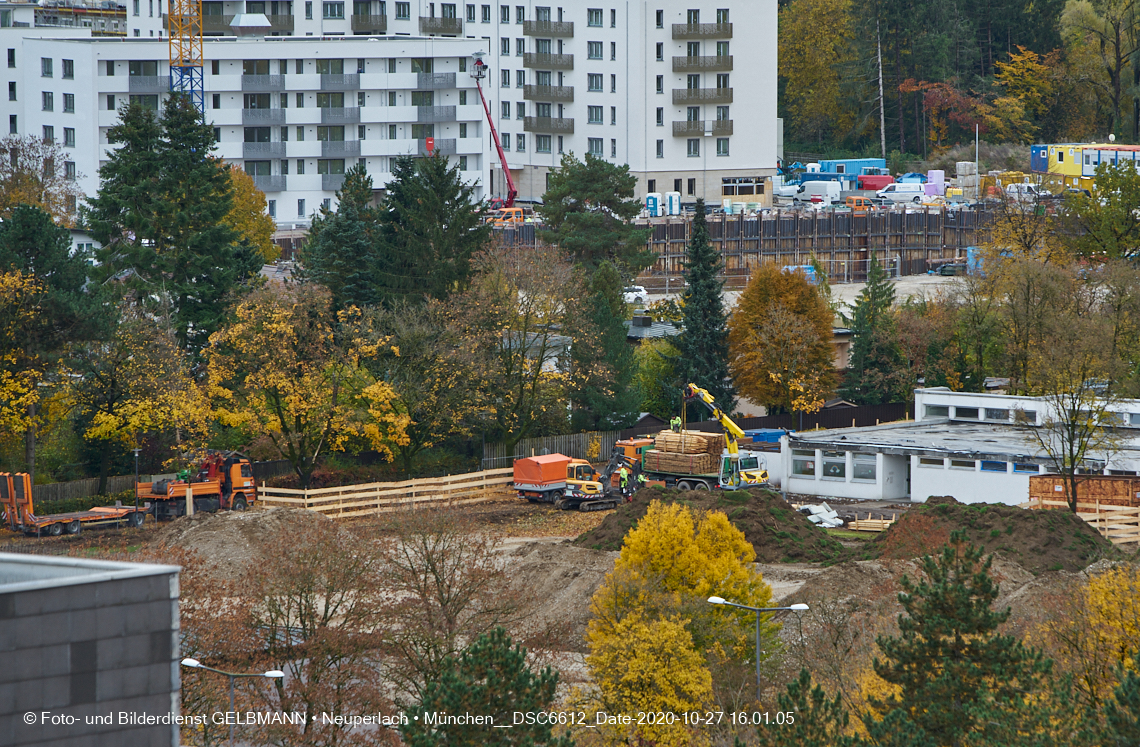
<point x="735" y="471"/>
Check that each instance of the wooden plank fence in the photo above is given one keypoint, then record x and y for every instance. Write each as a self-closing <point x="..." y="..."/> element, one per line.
<point x="382" y="497"/>
<point x="1120" y="525"/>
<point x="592" y="445"/>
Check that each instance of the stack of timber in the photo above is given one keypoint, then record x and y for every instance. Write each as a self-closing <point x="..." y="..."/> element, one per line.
<point x="690" y="442"/>
<point x="689" y="464"/>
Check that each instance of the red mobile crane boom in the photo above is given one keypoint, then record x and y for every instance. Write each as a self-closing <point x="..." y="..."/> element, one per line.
<point x="478" y="75"/>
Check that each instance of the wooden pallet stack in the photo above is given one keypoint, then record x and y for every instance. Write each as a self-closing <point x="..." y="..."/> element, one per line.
<point x="690" y="464"/>
<point x="690" y="442"/>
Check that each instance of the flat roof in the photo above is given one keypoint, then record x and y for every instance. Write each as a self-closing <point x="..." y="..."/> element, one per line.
<point x="31" y="572"/>
<point x="941" y="437"/>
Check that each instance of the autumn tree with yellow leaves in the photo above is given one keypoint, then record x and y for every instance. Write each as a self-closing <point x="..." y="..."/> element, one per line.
<point x="291" y="369"/>
<point x="32" y="172"/>
<point x="248" y="216"/>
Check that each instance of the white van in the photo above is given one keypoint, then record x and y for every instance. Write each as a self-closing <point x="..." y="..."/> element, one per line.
<point x="1024" y="192"/>
<point x="826" y="191"/>
<point x="902" y="192"/>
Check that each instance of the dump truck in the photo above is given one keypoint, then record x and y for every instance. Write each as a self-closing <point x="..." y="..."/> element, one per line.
<point x="16" y="500"/>
<point x="565" y="482"/>
<point x="222" y="480"/>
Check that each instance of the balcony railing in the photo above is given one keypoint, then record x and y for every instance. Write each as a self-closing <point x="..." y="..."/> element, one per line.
<point x="548" y="61"/>
<point x="340" y="115"/>
<point x="263" y="150"/>
<point x="332" y="182"/>
<point x="280" y="23"/>
<point x="336" y="82"/>
<point x="149" y="83"/>
<point x="216" y="24"/>
<point x="552" y="29"/>
<point x="444" y="146"/>
<point x="720" y="127"/>
<point x="564" y="94"/>
<point x="560" y="125"/>
<point x="702" y="30"/>
<point x="441" y="25"/>
<point x="339" y="148"/>
<point x="711" y="63"/>
<point x="270" y="183"/>
<point x="375" y="24"/>
<point x="263" y="83"/>
<point x="426" y="114"/>
<point x="262" y="116"/>
<point x="702" y="96"/>
<point x="435" y="81"/>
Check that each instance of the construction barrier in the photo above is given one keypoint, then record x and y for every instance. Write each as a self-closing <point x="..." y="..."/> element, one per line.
<point x="382" y="497"/>
<point x="1120" y="525"/>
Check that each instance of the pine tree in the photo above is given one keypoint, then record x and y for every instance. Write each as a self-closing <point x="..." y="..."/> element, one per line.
<point x="1122" y="713"/>
<point x="960" y="680"/>
<point x="490" y="678"/>
<point x="611" y="403"/>
<point x="341" y="250"/>
<point x="876" y="372"/>
<point x="819" y="720"/>
<point x="703" y="344"/>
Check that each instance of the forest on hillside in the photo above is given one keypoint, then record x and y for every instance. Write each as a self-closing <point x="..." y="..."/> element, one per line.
<point x="1022" y="71"/>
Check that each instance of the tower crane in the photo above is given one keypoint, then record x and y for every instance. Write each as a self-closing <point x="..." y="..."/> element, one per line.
<point x="185" y="45"/>
<point x="479" y="74"/>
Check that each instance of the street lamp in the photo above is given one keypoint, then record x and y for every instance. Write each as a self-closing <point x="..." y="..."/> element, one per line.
<point x="758" y="610"/>
<point x="271" y="674"/>
<point x="136" y="450"/>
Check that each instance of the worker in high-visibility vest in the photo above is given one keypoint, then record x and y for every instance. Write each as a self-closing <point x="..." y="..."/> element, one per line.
<point x="675" y="424"/>
<point x="641" y="482"/>
<point x="624" y="481"/>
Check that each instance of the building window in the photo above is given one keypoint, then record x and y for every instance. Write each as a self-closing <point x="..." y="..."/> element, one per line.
<point x="596" y="144"/>
<point x="937" y="411"/>
<point x="391" y="132"/>
<point x="309" y="10"/>
<point x="12" y="129"/>
<point x="69" y="103"/>
<point x="463" y="98"/>
<point x="486" y="14"/>
<point x="360" y="98"/>
<point x="45" y="67"/>
<point x="12" y="90"/>
<point x="505" y="46"/>
<point x="722" y="15"/>
<point x="594" y="17"/>
<point x="300" y="138"/>
<point x="11" y="58"/>
<point x="49" y="134"/>
<point x="863" y="467"/>
<point x="803" y="462"/>
<point x="505" y="77"/>
<point x="506" y="138"/>
<point x="613" y="115"/>
<point x="962" y="464"/>
<point x="463" y="163"/>
<point x="48" y="100"/>
<point x="520" y="47"/>
<point x="284" y="134"/>
<point x="559" y="150"/>
<point x="110" y="102"/>
<point x="520" y="110"/>
<point x="542" y="143"/>
<point x="660" y="52"/>
<point x="1027" y="469"/>
<point x="660" y="84"/>
<point x="69" y="137"/>
<point x="660" y="19"/>
<point x="135" y="9"/>
<point x="694" y="147"/>
<point x="594" y="50"/>
<point x="651" y="185"/>
<point x="471" y="14"/>
<point x="520" y="14"/>
<point x="216" y="101"/>
<point x="995" y="414"/>
<point x="932" y="462"/>
<point x="504" y="14"/>
<point x="660" y="117"/>
<point x="272" y="206"/>
<point x="330" y="166"/>
<point x="520" y="143"/>
<point x="462" y="130"/>
<point x="520" y="78"/>
<point x="300" y="207"/>
<point x="594" y="82"/>
<point x="300" y="100"/>
<point x="660" y="148"/>
<point x="722" y="146"/>
<point x="677" y="186"/>
<point x="391" y="98"/>
<point x="835" y="464"/>
<point x="692" y="186"/>
<point x="68" y="69"/>
<point x="1025" y="416"/>
<point x="593" y="115"/>
<point x="990" y="466"/>
<point x="722" y="80"/>
<point x="506" y="106"/>
<point x="613" y="19"/>
<point x="966" y="413"/>
<point x="613" y="148"/>
<point x="613" y="50"/>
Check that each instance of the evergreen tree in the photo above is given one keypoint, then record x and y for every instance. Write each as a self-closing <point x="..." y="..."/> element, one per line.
<point x="611" y="403"/>
<point x="819" y="720"/>
<point x="1122" y="713"/>
<point x="960" y="680"/>
<point x="160" y="215"/>
<point x="430" y="228"/>
<point x="342" y="246"/>
<point x="876" y="372"/>
<point x="587" y="209"/>
<point x="703" y="344"/>
<point x="491" y="678"/>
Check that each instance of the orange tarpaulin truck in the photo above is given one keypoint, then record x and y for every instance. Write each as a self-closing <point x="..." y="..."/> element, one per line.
<point x="16" y="500"/>
<point x="565" y="482"/>
<point x="221" y="481"/>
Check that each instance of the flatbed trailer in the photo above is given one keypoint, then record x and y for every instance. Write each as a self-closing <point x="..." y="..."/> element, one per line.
<point x="16" y="498"/>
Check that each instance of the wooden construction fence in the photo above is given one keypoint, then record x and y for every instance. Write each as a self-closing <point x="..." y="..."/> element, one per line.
<point x="1120" y="525"/>
<point x="1105" y="490"/>
<point x="382" y="497"/>
<point x="592" y="445"/>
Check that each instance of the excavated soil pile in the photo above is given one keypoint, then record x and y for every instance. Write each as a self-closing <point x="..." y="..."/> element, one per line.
<point x="563" y="578"/>
<point x="777" y="531"/>
<point x="232" y="540"/>
<point x="1038" y="541"/>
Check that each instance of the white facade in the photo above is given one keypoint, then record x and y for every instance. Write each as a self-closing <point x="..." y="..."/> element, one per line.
<point x="291" y="125"/>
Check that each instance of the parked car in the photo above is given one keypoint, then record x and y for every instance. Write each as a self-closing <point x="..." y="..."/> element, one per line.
<point x="1026" y="193"/>
<point x="859" y="205"/>
<point x="903" y="192"/>
<point x="635" y="294"/>
<point x="824" y="192"/>
<point x="952" y="269"/>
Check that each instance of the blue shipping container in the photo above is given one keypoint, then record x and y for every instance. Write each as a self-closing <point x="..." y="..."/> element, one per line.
<point x="1039" y="159"/>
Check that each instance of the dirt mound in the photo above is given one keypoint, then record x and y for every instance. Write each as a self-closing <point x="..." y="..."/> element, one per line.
<point x="231" y="540"/>
<point x="564" y="578"/>
<point x="1038" y="541"/>
<point x="777" y="531"/>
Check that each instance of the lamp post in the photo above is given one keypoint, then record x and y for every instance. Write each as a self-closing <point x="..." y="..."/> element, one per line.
<point x="758" y="610"/>
<point x="136" y="450"/>
<point x="271" y="674"/>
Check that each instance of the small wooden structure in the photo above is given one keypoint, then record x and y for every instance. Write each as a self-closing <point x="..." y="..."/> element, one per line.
<point x="1120" y="525"/>
<point x="1103" y="490"/>
<point x="871" y="525"/>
